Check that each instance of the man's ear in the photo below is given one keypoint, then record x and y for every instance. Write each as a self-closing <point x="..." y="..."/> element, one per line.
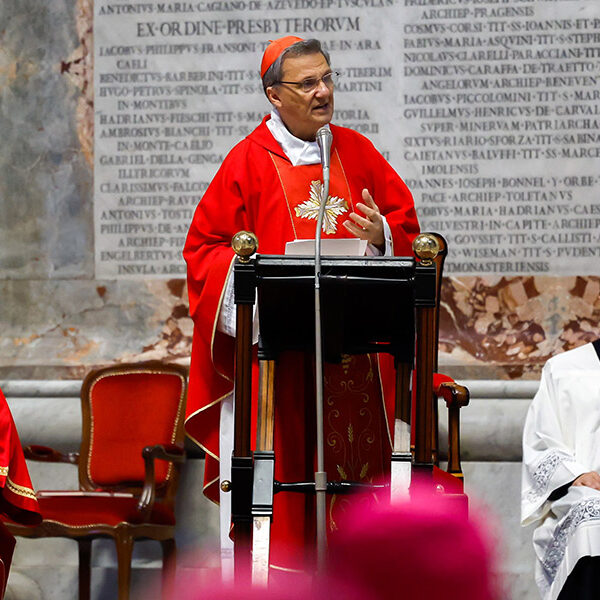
<point x="273" y="96"/>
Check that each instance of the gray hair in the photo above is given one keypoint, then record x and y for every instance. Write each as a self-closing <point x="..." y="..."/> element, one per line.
<point x="275" y="72"/>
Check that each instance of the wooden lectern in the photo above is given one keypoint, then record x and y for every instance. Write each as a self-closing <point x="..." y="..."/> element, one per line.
<point x="407" y="295"/>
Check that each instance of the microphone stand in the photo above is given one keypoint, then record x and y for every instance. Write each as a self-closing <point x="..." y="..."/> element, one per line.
<point x="324" y="139"/>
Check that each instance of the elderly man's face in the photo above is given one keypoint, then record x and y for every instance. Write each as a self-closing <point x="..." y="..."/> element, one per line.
<point x="303" y="112"/>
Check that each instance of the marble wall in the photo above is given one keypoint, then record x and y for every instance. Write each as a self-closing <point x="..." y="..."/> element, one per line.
<point x="507" y="327"/>
<point x="57" y="319"/>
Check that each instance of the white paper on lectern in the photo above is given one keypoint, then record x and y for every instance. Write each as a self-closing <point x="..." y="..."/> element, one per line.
<point x="335" y="247"/>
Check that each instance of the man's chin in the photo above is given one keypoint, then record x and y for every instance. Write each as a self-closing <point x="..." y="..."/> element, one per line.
<point x="322" y="116"/>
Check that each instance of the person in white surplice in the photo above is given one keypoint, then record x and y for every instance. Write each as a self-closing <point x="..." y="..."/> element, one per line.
<point x="561" y="481"/>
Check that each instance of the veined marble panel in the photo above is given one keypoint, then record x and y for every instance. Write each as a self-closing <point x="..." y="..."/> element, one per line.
<point x="504" y="329"/>
<point x="507" y="327"/>
<point x="58" y="328"/>
<point x="57" y="319"/>
<point x="45" y="181"/>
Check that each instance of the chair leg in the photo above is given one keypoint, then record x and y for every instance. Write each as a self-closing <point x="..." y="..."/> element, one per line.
<point x="168" y="571"/>
<point x="124" y="544"/>
<point x="84" y="547"/>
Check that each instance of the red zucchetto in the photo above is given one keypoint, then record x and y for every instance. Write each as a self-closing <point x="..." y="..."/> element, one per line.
<point x="274" y="49"/>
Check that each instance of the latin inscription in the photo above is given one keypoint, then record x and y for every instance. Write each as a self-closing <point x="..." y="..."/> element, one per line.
<point x="489" y="110"/>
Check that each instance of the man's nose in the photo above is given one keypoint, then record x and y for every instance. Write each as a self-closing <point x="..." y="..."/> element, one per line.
<point x="322" y="89"/>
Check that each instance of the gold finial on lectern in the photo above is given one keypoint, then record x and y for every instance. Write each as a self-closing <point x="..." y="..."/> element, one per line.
<point x="244" y="244"/>
<point x="226" y="485"/>
<point x="426" y="247"/>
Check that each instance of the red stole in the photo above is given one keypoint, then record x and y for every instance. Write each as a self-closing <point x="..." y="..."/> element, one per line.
<point x="357" y="442"/>
<point x="357" y="445"/>
<point x="302" y="192"/>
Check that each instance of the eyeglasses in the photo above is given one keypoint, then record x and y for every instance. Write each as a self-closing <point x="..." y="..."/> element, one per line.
<point x="311" y="83"/>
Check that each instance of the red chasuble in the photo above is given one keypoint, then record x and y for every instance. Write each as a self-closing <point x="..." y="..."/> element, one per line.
<point x="257" y="189"/>
<point x="17" y="498"/>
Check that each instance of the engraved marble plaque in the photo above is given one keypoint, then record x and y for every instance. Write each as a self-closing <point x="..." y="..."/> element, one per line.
<point x="489" y="109"/>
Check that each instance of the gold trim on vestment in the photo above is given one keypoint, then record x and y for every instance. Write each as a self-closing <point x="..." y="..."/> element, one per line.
<point x="346" y="180"/>
<point x="198" y="412"/>
<point x="19" y="489"/>
<point x="207" y="451"/>
<point x="207" y="485"/>
<point x="4" y="471"/>
<point x="286" y="569"/>
<point x="287" y="202"/>
<point x="216" y="322"/>
<point x="207" y="406"/>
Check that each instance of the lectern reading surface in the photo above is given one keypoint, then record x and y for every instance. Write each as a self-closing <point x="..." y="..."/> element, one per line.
<point x="367" y="305"/>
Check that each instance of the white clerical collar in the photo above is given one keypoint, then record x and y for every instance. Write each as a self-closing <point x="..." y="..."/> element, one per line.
<point x="300" y="152"/>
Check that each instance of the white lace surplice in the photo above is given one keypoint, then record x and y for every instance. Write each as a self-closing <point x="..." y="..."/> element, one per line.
<point x="561" y="440"/>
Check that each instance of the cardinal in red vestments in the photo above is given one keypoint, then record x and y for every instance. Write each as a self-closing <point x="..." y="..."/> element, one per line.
<point x="270" y="184"/>
<point x="18" y="501"/>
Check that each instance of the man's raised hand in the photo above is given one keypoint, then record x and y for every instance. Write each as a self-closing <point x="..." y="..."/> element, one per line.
<point x="370" y="226"/>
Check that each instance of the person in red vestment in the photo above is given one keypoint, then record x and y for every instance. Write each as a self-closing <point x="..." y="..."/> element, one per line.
<point x="270" y="184"/>
<point x="18" y="501"/>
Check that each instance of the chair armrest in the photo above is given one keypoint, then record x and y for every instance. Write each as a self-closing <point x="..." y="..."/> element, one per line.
<point x="456" y="396"/>
<point x="453" y="394"/>
<point x="46" y="454"/>
<point x="170" y="453"/>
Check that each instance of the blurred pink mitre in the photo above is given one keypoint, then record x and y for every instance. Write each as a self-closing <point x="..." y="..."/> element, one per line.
<point x="283" y="586"/>
<point x="420" y="550"/>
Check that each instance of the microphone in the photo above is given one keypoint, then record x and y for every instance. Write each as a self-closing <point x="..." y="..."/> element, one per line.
<point x="324" y="139"/>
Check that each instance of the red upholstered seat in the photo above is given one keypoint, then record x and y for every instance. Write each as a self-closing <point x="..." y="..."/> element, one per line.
<point x="439" y="378"/>
<point x="450" y="483"/>
<point x="132" y="415"/>
<point x="75" y="509"/>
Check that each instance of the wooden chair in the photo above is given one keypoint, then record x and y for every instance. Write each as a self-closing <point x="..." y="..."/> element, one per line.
<point x="132" y="414"/>
<point x="454" y="395"/>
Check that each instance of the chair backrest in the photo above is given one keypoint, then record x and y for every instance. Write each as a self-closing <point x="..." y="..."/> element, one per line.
<point x="126" y="407"/>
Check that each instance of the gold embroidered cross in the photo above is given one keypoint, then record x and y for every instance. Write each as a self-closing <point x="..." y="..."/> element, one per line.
<point x="334" y="207"/>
